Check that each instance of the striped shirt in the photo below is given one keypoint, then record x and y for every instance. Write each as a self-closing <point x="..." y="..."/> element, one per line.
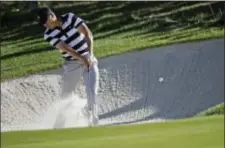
<point x="68" y="33"/>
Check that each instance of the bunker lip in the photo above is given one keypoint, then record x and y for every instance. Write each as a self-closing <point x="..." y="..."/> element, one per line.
<point x="159" y="84"/>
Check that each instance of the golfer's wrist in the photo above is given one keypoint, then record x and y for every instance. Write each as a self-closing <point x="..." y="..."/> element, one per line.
<point x="84" y="59"/>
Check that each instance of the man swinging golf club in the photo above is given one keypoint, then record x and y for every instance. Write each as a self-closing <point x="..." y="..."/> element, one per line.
<point x="74" y="40"/>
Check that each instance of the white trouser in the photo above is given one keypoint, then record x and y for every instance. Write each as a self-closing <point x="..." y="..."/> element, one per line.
<point x="73" y="72"/>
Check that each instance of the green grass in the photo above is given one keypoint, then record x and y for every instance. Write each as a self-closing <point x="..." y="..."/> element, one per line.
<point x="118" y="27"/>
<point x="215" y="110"/>
<point x="207" y="132"/>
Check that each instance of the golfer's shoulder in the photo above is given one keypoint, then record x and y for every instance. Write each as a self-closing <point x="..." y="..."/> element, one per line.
<point x="47" y="31"/>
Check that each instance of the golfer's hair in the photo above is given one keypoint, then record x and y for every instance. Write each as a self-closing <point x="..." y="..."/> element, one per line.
<point x="52" y="11"/>
<point x="43" y="13"/>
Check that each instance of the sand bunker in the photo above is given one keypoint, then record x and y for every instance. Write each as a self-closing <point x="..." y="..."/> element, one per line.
<point x="163" y="83"/>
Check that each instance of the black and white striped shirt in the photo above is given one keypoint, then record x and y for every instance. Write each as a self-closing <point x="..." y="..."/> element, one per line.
<point x="69" y="34"/>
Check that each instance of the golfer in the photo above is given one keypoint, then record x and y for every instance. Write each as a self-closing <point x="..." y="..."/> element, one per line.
<point x="72" y="37"/>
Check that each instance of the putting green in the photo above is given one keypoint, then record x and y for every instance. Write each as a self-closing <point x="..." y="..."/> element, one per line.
<point x="199" y="132"/>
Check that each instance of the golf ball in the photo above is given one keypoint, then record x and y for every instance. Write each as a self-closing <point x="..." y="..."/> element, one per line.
<point x="161" y="79"/>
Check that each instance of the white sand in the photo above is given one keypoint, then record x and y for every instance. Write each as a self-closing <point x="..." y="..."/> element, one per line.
<point x="154" y="85"/>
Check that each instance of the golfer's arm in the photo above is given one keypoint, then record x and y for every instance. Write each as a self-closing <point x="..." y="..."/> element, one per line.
<point x="88" y="35"/>
<point x="64" y="47"/>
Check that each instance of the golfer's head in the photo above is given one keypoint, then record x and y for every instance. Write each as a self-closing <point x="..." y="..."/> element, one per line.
<point x="47" y="17"/>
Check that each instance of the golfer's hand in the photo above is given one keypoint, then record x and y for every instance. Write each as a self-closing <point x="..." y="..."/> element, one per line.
<point x="87" y="63"/>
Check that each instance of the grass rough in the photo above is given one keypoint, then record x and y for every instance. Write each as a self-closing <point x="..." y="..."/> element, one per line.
<point x="215" y="110"/>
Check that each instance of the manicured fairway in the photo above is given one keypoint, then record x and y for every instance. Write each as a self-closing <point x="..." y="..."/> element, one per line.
<point x="200" y="132"/>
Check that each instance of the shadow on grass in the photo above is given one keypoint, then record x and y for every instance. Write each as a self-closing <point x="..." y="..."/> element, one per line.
<point x="85" y="10"/>
<point x="135" y="26"/>
<point x="23" y="32"/>
<point x="17" y="54"/>
<point x="24" y="47"/>
<point x="91" y="11"/>
<point x="172" y="21"/>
